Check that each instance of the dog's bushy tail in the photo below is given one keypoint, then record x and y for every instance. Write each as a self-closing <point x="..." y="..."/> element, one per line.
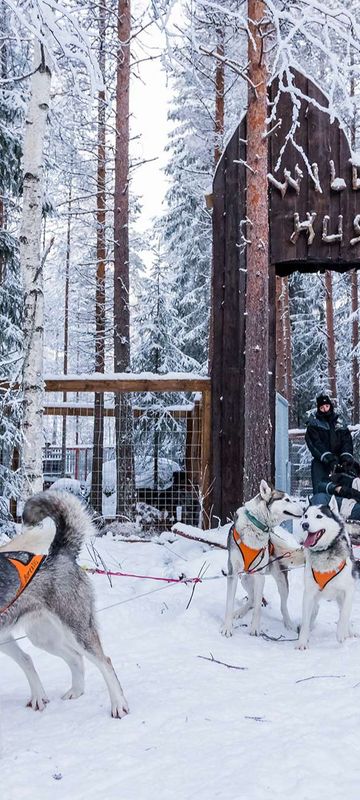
<point x="71" y="518"/>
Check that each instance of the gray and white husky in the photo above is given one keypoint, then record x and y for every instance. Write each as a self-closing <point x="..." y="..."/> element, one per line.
<point x="329" y="568"/>
<point x="56" y="607"/>
<point x="249" y="557"/>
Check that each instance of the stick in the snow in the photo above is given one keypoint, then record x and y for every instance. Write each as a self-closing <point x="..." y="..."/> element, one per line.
<point x="201" y="573"/>
<point x="198" y="538"/>
<point x="313" y="677"/>
<point x="215" y="660"/>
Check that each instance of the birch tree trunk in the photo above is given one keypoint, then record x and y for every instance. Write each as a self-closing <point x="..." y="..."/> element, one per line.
<point x="32" y="273"/>
<point x="257" y="456"/>
<point x="66" y="326"/>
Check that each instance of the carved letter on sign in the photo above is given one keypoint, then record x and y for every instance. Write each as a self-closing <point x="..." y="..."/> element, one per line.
<point x="356" y="225"/>
<point x="336" y="184"/>
<point x="316" y="179"/>
<point x="289" y="181"/>
<point x="355" y="179"/>
<point x="331" y="238"/>
<point x="306" y="225"/>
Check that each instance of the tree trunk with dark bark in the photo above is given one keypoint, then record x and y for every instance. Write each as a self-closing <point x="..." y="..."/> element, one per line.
<point x="98" y="433"/>
<point x="354" y="346"/>
<point x="330" y="335"/>
<point x="219" y="96"/>
<point x="287" y="335"/>
<point x="125" y="480"/>
<point x="280" y="338"/>
<point x="257" y="457"/>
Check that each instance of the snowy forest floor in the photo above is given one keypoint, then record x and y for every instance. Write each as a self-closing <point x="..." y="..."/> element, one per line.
<point x="287" y="725"/>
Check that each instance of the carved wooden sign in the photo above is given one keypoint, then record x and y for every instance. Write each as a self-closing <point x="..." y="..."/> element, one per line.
<point x="314" y="213"/>
<point x="314" y="221"/>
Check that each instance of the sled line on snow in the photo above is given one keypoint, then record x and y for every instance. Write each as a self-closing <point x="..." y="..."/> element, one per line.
<point x="182" y="578"/>
<point x="96" y="571"/>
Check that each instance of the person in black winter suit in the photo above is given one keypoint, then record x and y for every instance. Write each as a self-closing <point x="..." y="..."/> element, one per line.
<point x="329" y="442"/>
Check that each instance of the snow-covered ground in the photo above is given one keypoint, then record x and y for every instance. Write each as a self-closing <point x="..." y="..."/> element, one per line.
<point x="286" y="725"/>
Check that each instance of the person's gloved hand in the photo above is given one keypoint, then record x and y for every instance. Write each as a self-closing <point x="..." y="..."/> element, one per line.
<point x="347" y="460"/>
<point x="330" y="460"/>
<point x="344" y="491"/>
<point x="341" y="479"/>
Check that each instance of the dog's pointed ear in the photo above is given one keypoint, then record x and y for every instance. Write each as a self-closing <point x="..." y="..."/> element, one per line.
<point x="265" y="491"/>
<point x="333" y="505"/>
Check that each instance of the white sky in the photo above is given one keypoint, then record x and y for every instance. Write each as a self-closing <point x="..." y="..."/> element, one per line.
<point x="149" y="104"/>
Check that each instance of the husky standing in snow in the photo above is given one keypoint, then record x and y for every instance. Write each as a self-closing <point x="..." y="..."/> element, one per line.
<point x="329" y="569"/>
<point x="248" y="555"/>
<point x="52" y="597"/>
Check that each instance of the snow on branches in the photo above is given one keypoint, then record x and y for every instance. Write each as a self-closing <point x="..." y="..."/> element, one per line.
<point x="314" y="37"/>
<point x="57" y="27"/>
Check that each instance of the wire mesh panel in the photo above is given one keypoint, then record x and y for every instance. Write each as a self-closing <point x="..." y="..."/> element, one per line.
<point x="134" y="456"/>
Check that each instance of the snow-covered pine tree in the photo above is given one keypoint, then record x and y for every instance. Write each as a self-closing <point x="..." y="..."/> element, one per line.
<point x="186" y="224"/>
<point x="11" y="115"/>
<point x="309" y="352"/>
<point x="208" y="99"/>
<point x="158" y="434"/>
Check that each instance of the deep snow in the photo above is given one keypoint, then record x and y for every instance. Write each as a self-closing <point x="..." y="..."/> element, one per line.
<point x="287" y="726"/>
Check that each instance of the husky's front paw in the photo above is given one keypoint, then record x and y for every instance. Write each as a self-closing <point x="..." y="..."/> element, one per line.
<point x="291" y="626"/>
<point x="255" y="631"/>
<point x="342" y="636"/>
<point x="72" y="694"/>
<point x="119" y="710"/>
<point x="37" y="703"/>
<point x="226" y="630"/>
<point x="301" y="646"/>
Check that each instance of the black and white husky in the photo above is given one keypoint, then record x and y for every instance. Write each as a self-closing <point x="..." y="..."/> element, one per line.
<point x="56" y="606"/>
<point x="249" y="555"/>
<point x="329" y="568"/>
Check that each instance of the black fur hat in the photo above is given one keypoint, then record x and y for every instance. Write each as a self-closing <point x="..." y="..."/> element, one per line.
<point x="322" y="399"/>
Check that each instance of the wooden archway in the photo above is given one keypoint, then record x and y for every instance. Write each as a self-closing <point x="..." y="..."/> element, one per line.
<point x="314" y="224"/>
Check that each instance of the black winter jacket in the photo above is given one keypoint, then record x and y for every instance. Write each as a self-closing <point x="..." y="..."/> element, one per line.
<point x="327" y="435"/>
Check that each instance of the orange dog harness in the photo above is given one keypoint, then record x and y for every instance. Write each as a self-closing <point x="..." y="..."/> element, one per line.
<point x="26" y="565"/>
<point x="323" y="578"/>
<point x="249" y="554"/>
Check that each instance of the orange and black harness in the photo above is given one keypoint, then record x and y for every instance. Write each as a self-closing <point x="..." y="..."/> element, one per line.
<point x="323" y="578"/>
<point x="250" y="554"/>
<point x="26" y="565"/>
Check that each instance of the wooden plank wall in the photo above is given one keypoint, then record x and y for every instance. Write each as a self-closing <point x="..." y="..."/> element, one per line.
<point x="321" y="141"/>
<point x="227" y="338"/>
